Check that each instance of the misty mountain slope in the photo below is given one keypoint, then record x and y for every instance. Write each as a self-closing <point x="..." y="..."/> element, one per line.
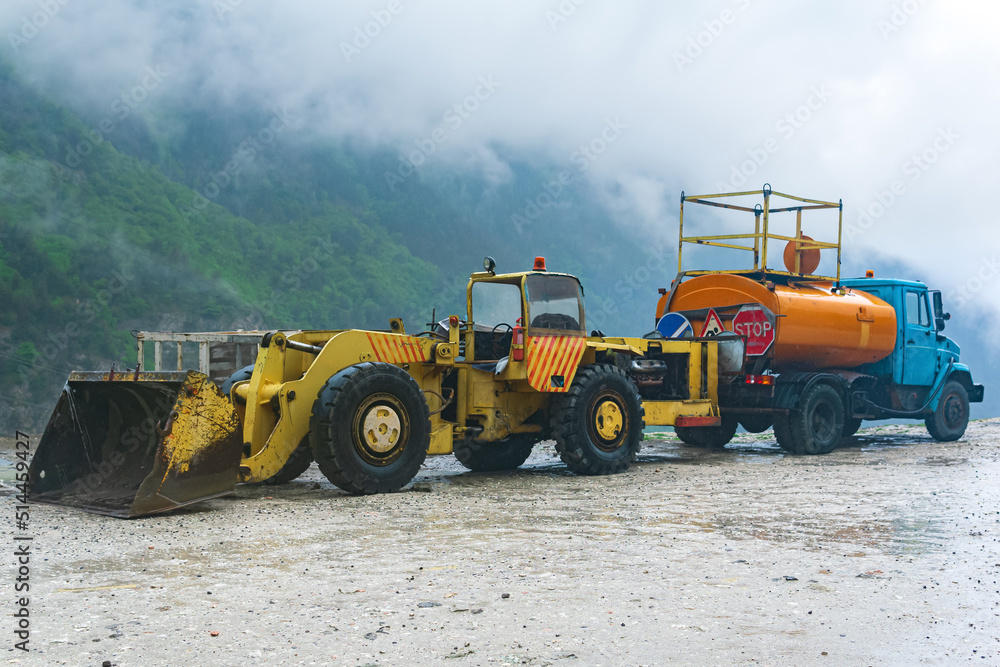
<point x="108" y="243"/>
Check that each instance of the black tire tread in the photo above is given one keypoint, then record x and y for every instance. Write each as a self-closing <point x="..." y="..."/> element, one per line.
<point x="800" y="431"/>
<point x="934" y="422"/>
<point x="323" y="422"/>
<point x="482" y="456"/>
<point x="297" y="463"/>
<point x="572" y="445"/>
<point x="712" y="437"/>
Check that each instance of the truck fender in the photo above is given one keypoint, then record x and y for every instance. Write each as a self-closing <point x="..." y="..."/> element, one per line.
<point x="790" y="387"/>
<point x="960" y="373"/>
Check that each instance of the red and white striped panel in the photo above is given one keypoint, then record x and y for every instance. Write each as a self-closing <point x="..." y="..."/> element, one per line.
<point x="553" y="356"/>
<point x="396" y="349"/>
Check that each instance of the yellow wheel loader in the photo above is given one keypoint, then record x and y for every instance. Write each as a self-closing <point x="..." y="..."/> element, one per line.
<point x="369" y="406"/>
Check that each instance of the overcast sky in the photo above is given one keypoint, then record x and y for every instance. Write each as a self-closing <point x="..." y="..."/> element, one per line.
<point x="890" y="105"/>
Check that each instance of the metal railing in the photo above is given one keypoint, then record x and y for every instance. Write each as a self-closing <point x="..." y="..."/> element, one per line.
<point x="762" y="233"/>
<point x="203" y="340"/>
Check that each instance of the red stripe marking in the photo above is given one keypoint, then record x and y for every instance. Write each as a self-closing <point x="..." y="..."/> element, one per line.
<point x="371" y="340"/>
<point x="542" y="350"/>
<point x="557" y="349"/>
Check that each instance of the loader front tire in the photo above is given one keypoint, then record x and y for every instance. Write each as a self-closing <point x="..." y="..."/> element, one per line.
<point x="370" y="428"/>
<point x="482" y="456"/>
<point x="598" y="424"/>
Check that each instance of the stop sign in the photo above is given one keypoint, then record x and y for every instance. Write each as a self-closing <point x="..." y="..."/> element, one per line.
<point x="754" y="324"/>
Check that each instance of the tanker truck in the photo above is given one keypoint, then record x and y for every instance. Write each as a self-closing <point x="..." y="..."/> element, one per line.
<point x="821" y="353"/>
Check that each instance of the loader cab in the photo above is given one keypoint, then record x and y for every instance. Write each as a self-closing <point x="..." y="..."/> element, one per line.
<point x="505" y="309"/>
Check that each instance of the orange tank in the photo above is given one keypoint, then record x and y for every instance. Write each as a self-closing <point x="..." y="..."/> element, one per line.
<point x="814" y="328"/>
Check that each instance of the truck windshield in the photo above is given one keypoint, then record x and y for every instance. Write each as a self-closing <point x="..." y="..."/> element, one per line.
<point x="554" y="302"/>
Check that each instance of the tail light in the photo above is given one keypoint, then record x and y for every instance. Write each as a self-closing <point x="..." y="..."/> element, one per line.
<point x="517" y="344"/>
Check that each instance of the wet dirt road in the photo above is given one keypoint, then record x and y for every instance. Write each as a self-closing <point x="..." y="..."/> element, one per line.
<point x="882" y="553"/>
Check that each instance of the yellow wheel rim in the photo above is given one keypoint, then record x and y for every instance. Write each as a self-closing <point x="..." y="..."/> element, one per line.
<point x="381" y="428"/>
<point x="608" y="420"/>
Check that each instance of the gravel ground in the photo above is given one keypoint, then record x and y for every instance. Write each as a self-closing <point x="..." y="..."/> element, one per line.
<point x="882" y="553"/>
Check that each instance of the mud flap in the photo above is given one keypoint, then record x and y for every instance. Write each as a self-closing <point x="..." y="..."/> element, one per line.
<point x="131" y="445"/>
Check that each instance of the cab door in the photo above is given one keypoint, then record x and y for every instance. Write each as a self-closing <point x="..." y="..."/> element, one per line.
<point x="919" y="351"/>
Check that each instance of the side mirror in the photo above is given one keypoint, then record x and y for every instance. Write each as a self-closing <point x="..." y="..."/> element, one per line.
<point x="940" y="317"/>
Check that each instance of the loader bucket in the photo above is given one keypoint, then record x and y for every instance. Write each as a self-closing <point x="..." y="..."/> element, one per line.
<point x="132" y="444"/>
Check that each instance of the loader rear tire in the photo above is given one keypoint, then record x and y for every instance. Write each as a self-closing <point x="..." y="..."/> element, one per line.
<point x="713" y="437"/>
<point x="370" y="428"/>
<point x="482" y="456"/>
<point x="951" y="418"/>
<point x="598" y="424"/>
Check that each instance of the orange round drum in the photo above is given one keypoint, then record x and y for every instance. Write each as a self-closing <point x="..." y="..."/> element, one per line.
<point x="814" y="328"/>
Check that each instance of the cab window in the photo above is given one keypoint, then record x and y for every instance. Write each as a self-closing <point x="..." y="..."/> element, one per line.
<point x="554" y="302"/>
<point x="916" y="310"/>
<point x="495" y="303"/>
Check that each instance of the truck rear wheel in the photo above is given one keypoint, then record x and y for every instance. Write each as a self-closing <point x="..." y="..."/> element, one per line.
<point x="598" y="424"/>
<point x="370" y="428"/>
<point x="482" y="456"/>
<point x="949" y="421"/>
<point x="301" y="458"/>
<point x="715" y="437"/>
<point x="817" y="424"/>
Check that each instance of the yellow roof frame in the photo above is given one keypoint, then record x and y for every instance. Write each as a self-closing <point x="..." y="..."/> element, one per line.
<point x="761" y="234"/>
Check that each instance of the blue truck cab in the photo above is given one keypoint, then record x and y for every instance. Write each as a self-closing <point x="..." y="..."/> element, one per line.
<point x="922" y="377"/>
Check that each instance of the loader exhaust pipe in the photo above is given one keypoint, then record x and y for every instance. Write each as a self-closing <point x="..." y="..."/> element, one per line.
<point x="129" y="445"/>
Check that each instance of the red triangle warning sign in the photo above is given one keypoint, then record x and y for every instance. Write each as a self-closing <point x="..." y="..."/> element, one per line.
<point x="713" y="324"/>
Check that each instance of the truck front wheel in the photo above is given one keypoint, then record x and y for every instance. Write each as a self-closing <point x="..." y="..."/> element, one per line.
<point x="598" y="424"/>
<point x="370" y="428"/>
<point x="952" y="415"/>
